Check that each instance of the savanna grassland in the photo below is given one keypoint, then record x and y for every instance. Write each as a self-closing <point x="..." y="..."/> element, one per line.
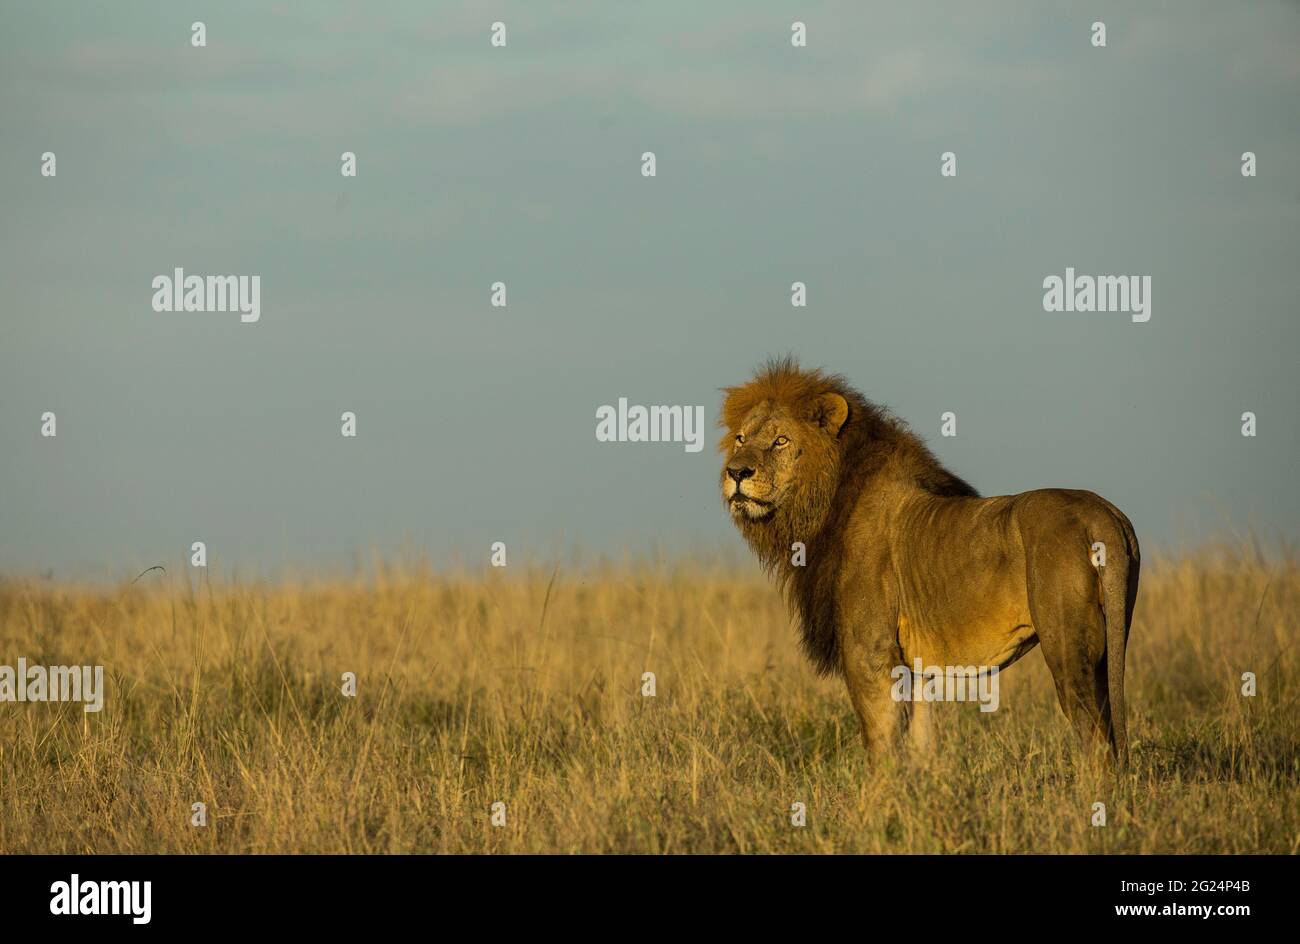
<point x="525" y="687"/>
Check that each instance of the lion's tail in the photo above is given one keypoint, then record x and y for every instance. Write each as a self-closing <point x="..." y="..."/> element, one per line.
<point x="1119" y="588"/>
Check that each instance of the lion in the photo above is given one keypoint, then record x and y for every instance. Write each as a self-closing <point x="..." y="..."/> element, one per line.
<point x="902" y="561"/>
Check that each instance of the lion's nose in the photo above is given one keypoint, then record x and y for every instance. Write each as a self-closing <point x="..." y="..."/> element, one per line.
<point x="739" y="472"/>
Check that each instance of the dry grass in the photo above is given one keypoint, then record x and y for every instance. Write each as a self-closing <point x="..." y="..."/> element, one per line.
<point x="474" y="690"/>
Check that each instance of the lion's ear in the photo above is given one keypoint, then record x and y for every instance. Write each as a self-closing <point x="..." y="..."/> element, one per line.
<point x="830" y="410"/>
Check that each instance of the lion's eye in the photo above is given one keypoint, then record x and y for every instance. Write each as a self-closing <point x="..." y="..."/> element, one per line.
<point x="740" y="438"/>
<point x="782" y="441"/>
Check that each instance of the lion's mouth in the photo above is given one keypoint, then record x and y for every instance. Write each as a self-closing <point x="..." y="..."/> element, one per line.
<point x="747" y="506"/>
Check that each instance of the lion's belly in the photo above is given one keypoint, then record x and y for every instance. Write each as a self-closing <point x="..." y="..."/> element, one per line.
<point x="993" y="631"/>
<point x="963" y="594"/>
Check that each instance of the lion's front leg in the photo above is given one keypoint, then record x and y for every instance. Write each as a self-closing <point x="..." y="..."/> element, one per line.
<point x="920" y="727"/>
<point x="867" y="667"/>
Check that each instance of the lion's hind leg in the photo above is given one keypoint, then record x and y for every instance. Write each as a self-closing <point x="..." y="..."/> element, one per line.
<point x="1072" y="632"/>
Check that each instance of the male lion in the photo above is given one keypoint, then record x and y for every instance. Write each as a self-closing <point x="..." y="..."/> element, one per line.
<point x="905" y="561"/>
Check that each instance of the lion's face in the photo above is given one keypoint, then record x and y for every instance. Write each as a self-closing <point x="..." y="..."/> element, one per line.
<point x="764" y="463"/>
<point x="781" y="453"/>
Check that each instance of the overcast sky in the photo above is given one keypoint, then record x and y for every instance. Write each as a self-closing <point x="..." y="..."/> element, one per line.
<point x="522" y="164"/>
